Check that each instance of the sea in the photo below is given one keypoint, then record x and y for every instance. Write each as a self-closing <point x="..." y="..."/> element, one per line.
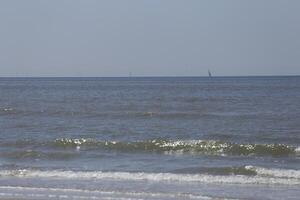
<point x="148" y="138"/>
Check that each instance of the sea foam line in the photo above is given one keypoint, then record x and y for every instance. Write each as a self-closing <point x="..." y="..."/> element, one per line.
<point x="71" y="193"/>
<point x="264" y="176"/>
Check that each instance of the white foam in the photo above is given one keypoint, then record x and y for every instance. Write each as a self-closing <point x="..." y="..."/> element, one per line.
<point x="49" y="193"/>
<point x="297" y="150"/>
<point x="7" y="109"/>
<point x="264" y="176"/>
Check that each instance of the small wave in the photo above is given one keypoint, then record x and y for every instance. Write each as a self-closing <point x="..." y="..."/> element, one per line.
<point x="184" y="146"/>
<point x="247" y="170"/>
<point x="219" y="171"/>
<point x="260" y="178"/>
<point x="277" y="173"/>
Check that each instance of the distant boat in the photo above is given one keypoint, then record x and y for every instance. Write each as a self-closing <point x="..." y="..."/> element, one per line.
<point x="209" y="74"/>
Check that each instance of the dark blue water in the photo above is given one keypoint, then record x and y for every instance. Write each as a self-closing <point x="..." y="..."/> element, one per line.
<point x="140" y="137"/>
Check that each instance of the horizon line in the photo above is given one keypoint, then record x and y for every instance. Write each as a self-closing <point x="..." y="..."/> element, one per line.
<point x="153" y="76"/>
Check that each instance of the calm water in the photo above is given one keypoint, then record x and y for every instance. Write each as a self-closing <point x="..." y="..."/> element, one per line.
<point x="150" y="138"/>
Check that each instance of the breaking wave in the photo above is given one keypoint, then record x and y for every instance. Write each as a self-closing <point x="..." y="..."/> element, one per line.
<point x="184" y="146"/>
<point x="262" y="176"/>
<point x="211" y="147"/>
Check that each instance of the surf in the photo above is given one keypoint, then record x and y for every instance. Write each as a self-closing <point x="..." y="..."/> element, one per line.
<point x="262" y="176"/>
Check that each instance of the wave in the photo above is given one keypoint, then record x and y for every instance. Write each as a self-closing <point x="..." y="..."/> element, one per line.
<point x="263" y="176"/>
<point x="211" y="147"/>
<point x="246" y="171"/>
<point x="277" y="173"/>
<point x="184" y="146"/>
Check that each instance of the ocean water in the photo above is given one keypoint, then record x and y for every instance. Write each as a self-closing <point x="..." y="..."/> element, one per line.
<point x="150" y="138"/>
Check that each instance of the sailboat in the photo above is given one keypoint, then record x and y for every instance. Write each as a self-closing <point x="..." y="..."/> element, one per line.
<point x="209" y="74"/>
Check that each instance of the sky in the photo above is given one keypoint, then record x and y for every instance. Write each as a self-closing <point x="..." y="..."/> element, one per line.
<point x="149" y="37"/>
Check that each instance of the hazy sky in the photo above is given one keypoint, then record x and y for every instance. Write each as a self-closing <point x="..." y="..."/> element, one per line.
<point x="149" y="37"/>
